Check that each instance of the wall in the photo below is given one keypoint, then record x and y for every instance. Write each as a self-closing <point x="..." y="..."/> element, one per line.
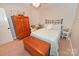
<point x="75" y="33"/>
<point x="46" y="11"/>
<point x="59" y="11"/>
<point x="13" y="9"/>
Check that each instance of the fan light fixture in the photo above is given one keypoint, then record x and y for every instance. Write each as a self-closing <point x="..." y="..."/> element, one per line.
<point x="36" y="4"/>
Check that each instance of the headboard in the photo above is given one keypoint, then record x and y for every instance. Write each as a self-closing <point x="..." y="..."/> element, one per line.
<point x="53" y="21"/>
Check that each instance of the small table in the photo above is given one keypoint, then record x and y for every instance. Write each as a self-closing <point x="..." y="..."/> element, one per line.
<point x="36" y="47"/>
<point x="65" y="34"/>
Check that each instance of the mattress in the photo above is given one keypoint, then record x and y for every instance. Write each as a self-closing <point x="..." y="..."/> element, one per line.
<point x="51" y="36"/>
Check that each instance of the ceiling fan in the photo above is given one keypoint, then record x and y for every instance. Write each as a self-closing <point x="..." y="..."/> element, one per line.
<point x="36" y="5"/>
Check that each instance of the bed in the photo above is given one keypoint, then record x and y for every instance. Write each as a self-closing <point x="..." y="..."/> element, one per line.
<point x="50" y="34"/>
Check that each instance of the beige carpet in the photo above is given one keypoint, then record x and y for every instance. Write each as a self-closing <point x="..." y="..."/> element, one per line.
<point x="65" y="47"/>
<point x="15" y="48"/>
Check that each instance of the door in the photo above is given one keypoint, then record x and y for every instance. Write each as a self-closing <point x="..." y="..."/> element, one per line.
<point x="5" y="33"/>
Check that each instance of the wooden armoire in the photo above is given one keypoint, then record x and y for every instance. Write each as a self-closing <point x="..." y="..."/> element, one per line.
<point x="21" y="26"/>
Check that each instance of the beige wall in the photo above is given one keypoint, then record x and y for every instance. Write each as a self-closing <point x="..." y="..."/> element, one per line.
<point x="13" y="9"/>
<point x="46" y="11"/>
<point x="58" y="11"/>
<point x="75" y="33"/>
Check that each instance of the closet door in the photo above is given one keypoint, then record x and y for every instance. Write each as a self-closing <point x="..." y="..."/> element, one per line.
<point x="18" y="26"/>
<point x="5" y="32"/>
<point x="26" y="26"/>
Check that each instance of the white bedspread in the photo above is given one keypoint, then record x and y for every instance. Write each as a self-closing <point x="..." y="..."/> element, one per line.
<point x="50" y="36"/>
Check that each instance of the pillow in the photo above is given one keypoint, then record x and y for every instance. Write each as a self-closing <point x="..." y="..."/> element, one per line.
<point x="53" y="26"/>
<point x="56" y="27"/>
<point x="48" y="26"/>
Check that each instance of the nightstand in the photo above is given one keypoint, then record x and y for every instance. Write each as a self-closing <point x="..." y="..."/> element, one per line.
<point x="65" y="33"/>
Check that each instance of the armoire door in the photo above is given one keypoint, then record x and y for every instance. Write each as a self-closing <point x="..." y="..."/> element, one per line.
<point x="21" y="26"/>
<point x="17" y="22"/>
<point x="26" y="26"/>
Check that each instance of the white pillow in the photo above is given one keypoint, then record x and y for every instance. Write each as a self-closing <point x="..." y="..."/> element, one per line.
<point x="53" y="26"/>
<point x="48" y="26"/>
<point x="57" y="27"/>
